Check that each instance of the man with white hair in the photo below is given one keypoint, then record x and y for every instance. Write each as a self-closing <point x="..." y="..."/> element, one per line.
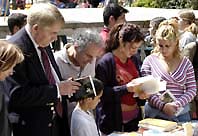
<point x="77" y="59"/>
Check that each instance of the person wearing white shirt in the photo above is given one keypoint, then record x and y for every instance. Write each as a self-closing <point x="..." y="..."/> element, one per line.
<point x="82" y="121"/>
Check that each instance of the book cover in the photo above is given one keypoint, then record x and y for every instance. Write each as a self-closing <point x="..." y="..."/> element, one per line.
<point x="168" y="97"/>
<point x="88" y="88"/>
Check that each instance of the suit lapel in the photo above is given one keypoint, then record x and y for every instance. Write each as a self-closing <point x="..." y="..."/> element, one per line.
<point x="32" y="57"/>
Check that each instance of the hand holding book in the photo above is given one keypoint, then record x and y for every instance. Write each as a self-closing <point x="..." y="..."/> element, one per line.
<point x="89" y="88"/>
<point x="134" y="87"/>
<point x="170" y="108"/>
<point x="68" y="87"/>
<point x="146" y="86"/>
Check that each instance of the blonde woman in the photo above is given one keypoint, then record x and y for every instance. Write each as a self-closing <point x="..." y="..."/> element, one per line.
<point x="167" y="63"/>
<point x="10" y="55"/>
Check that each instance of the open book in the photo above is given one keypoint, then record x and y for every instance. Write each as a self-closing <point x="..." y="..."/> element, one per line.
<point x="157" y="124"/>
<point x="88" y="88"/>
<point x="168" y="97"/>
<point x="150" y="85"/>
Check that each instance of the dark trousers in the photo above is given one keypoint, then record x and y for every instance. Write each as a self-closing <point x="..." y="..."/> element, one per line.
<point x="55" y="128"/>
<point x="133" y="124"/>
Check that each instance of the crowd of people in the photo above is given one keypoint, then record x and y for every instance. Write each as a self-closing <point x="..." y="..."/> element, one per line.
<point x="37" y="83"/>
<point x="7" y="5"/>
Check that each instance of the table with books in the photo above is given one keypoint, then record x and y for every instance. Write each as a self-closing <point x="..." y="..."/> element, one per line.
<point x="156" y="127"/>
<point x="159" y="127"/>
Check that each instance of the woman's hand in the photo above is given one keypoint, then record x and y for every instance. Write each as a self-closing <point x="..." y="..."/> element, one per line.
<point x="143" y="95"/>
<point x="133" y="86"/>
<point x="136" y="88"/>
<point x="170" y="109"/>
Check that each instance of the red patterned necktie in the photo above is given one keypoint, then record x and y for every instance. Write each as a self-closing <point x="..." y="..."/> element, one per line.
<point x="46" y="65"/>
<point x="50" y="77"/>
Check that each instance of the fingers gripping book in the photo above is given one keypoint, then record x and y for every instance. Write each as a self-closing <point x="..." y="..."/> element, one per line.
<point x="168" y="97"/>
<point x="150" y="85"/>
<point x="88" y="88"/>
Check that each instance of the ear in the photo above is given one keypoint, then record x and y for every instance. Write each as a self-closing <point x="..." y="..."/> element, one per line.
<point x="76" y="45"/>
<point x="86" y="100"/>
<point x="35" y="27"/>
<point x="15" y="29"/>
<point x="112" y="21"/>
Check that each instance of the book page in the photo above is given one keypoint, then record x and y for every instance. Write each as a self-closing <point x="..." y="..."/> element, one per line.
<point x="150" y="85"/>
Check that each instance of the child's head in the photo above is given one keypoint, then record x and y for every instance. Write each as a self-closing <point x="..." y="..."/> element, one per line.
<point x="91" y="99"/>
<point x="91" y="102"/>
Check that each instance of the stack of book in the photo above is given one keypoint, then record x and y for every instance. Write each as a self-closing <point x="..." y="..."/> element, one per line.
<point x="157" y="124"/>
<point x="125" y="134"/>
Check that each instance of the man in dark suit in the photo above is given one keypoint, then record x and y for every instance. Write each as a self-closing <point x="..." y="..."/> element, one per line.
<point x="35" y="100"/>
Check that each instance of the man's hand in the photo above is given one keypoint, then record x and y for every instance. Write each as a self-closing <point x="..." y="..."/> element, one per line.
<point x="68" y="87"/>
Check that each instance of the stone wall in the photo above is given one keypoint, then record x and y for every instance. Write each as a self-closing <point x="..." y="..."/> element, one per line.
<point x="78" y="18"/>
<point x="69" y="28"/>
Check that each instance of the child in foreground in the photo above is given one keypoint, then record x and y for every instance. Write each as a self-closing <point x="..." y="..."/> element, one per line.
<point x="82" y="121"/>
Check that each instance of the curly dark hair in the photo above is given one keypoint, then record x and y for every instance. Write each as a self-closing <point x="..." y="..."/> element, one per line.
<point x="127" y="32"/>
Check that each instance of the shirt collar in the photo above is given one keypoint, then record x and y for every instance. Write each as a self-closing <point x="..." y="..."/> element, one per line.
<point x="27" y="28"/>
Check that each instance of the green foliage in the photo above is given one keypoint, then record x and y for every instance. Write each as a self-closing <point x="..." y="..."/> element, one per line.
<point x="172" y="4"/>
<point x="194" y="4"/>
<point x="144" y="3"/>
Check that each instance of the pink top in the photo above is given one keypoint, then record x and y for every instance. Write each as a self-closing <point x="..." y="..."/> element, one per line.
<point x="181" y="82"/>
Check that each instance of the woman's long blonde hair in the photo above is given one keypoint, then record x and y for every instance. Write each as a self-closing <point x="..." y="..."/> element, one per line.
<point x="10" y="55"/>
<point x="168" y="30"/>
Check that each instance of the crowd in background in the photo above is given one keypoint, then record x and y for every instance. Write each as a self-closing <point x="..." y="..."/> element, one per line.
<point x="6" y="5"/>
